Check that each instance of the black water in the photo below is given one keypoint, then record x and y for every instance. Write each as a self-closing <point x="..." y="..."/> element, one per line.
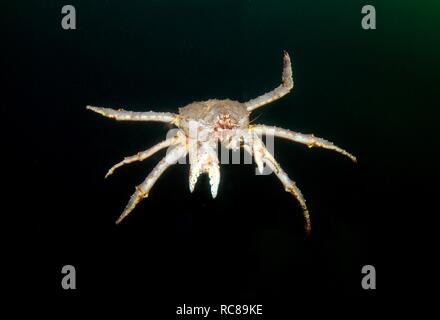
<point x="360" y="89"/>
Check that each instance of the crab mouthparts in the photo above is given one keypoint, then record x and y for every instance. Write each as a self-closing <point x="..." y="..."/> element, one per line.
<point x="224" y="122"/>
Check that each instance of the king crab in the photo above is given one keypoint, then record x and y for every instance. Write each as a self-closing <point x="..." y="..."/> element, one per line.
<point x="201" y="125"/>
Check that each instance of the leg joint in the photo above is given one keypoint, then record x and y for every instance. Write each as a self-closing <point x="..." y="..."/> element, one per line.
<point x="141" y="192"/>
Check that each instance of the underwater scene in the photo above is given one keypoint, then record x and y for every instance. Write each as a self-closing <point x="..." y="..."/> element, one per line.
<point x="262" y="152"/>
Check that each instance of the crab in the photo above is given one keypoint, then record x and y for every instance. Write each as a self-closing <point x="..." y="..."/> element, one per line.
<point x="202" y="125"/>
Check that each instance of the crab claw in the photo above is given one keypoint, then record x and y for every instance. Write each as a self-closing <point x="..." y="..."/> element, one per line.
<point x="194" y="173"/>
<point x="214" y="177"/>
<point x="205" y="162"/>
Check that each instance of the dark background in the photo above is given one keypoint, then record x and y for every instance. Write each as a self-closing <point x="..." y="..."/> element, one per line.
<point x="369" y="91"/>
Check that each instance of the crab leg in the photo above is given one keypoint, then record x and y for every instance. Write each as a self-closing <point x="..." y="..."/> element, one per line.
<point x="278" y="92"/>
<point x="140" y="156"/>
<point x="309" y="139"/>
<point x="144" y="188"/>
<point x="261" y="152"/>
<point x="123" y="115"/>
